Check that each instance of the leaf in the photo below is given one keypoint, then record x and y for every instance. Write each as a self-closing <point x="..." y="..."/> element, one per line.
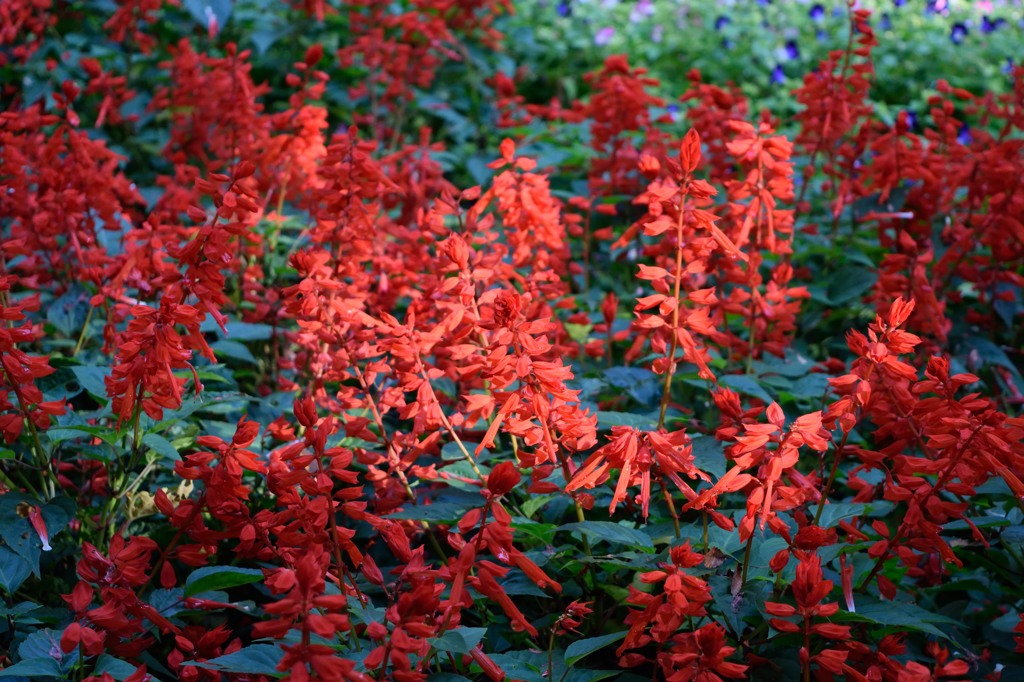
<point x="439" y="512"/>
<point x="459" y="640"/>
<point x="67" y="314"/>
<point x="33" y="668"/>
<point x="1013" y="535"/>
<point x="161" y="446"/>
<point x="709" y="455"/>
<point x="583" y="675"/>
<point x="849" y="283"/>
<point x="612" y="533"/>
<point x="746" y="384"/>
<point x="211" y="578"/>
<point x="233" y="349"/>
<point x="115" y="667"/>
<point x="793" y="366"/>
<point x="61" y="433"/>
<point x="239" y="331"/>
<point x="577" y="651"/>
<point x="92" y="379"/>
<point x="832" y="514"/>
<point x="258" y="659"/>
<point x="900" y="615"/>
<point x="641" y="384"/>
<point x="22" y="540"/>
<point x="811" y="387"/>
<point x="606" y="420"/>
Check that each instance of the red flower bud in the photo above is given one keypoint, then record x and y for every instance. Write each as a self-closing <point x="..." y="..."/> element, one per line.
<point x="503" y="478"/>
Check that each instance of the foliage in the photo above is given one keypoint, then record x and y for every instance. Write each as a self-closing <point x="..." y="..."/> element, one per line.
<point x="430" y="340"/>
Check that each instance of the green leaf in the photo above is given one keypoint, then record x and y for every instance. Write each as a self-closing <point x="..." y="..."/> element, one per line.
<point x="233" y="349"/>
<point x="239" y="331"/>
<point x="115" y="667"/>
<point x="612" y="533"/>
<point x="439" y="512"/>
<point x="61" y="433"/>
<point x="161" y="446"/>
<point x="577" y="651"/>
<point x="583" y="675"/>
<point x="220" y="578"/>
<point x="67" y="314"/>
<point x="832" y="514"/>
<point x="746" y="384"/>
<point x="849" y="283"/>
<point x="709" y="455"/>
<point x="459" y="640"/>
<point x="899" y="615"/>
<point x="1013" y="535"/>
<point x="33" y="668"/>
<point x="92" y="379"/>
<point x="640" y="383"/>
<point x="606" y="420"/>
<point x="21" y="539"/>
<point x="258" y="659"/>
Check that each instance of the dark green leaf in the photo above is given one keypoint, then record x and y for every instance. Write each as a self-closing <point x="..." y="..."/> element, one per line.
<point x="439" y="512"/>
<point x="832" y="514"/>
<point x="709" y="455"/>
<point x="849" y="283"/>
<point x="67" y="314"/>
<point x="92" y="379"/>
<point x="161" y="446"/>
<point x="577" y="651"/>
<point x="606" y="420"/>
<point x="115" y="667"/>
<point x="33" y="668"/>
<point x="746" y="384"/>
<point x="220" y="578"/>
<point x="233" y="349"/>
<point x="612" y="533"/>
<point x="14" y="569"/>
<point x="258" y="659"/>
<point x="458" y="641"/>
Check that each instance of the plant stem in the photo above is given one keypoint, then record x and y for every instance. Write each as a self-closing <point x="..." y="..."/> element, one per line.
<point x="670" y="370"/>
<point x="671" y="506"/>
<point x="831" y="477"/>
<point x="746" y="556"/>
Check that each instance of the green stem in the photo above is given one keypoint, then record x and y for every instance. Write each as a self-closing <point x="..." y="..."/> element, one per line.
<point x="85" y="332"/>
<point x="746" y="556"/>
<point x="831" y="478"/>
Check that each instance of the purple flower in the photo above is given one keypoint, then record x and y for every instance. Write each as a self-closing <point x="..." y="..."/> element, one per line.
<point x="899" y="3"/>
<point x="1008" y="66"/>
<point x="727" y="44"/>
<point x="964" y="137"/>
<point x="778" y="75"/>
<point x="885" y="23"/>
<point x="792" y="51"/>
<point x="641" y="10"/>
<point x="817" y="12"/>
<point x="656" y="33"/>
<point x="988" y="25"/>
<point x="721" y="22"/>
<point x="822" y="35"/>
<point x="564" y="9"/>
<point x="911" y="120"/>
<point x="958" y="33"/>
<point x="604" y="36"/>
